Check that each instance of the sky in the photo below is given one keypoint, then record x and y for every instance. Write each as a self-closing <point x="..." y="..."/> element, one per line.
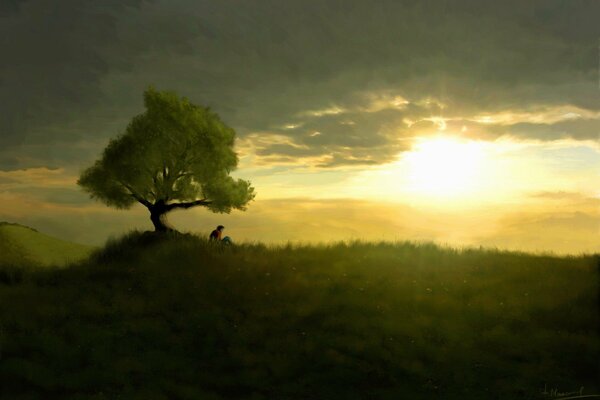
<point x="467" y="123"/>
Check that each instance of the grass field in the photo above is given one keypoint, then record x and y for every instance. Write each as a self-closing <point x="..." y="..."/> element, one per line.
<point x="23" y="245"/>
<point x="174" y="317"/>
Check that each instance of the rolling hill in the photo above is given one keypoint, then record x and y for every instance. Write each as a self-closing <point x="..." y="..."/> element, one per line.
<point x="177" y="317"/>
<point x="22" y="245"/>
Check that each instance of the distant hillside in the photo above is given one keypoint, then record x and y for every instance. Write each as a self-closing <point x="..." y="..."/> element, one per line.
<point x="20" y="244"/>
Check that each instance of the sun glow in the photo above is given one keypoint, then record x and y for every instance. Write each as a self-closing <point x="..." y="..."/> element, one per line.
<point x="447" y="172"/>
<point x="445" y="167"/>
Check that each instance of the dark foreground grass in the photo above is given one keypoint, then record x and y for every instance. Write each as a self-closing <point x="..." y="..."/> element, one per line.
<point x="175" y="318"/>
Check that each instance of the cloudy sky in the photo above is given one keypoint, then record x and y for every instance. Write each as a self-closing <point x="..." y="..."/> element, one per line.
<point x="464" y="122"/>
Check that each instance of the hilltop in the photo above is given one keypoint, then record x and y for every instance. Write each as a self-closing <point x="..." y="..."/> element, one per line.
<point x="175" y="317"/>
<point x="20" y="244"/>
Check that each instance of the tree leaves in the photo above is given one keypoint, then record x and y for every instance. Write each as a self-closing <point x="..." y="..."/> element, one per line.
<point x="175" y="153"/>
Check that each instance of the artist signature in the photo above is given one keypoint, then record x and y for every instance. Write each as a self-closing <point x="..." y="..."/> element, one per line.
<point x="557" y="394"/>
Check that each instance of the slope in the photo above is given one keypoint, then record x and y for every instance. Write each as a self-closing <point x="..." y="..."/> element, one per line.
<point x="20" y="245"/>
<point x="177" y="317"/>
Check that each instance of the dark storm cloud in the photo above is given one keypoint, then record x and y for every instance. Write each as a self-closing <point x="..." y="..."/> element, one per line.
<point x="52" y="60"/>
<point x="72" y="71"/>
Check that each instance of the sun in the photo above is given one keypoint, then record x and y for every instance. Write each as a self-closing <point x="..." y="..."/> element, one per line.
<point x="445" y="167"/>
<point x="445" y="172"/>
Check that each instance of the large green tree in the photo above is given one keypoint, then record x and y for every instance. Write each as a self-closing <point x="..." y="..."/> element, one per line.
<point x="175" y="155"/>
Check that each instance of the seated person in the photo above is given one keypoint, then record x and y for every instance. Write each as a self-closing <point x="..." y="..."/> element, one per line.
<point x="217" y="233"/>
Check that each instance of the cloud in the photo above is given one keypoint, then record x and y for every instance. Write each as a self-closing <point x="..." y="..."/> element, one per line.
<point x="46" y="187"/>
<point x="569" y="202"/>
<point x="574" y="232"/>
<point x="578" y="129"/>
<point x="7" y="180"/>
<point x="263" y="65"/>
<point x="52" y="65"/>
<point x="57" y="196"/>
<point x="541" y="228"/>
<point x="562" y="195"/>
<point x="47" y="177"/>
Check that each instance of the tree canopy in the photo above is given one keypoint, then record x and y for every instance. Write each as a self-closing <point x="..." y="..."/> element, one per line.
<point x="174" y="155"/>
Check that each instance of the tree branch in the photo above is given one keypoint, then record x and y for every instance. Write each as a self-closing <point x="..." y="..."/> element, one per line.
<point x="136" y="196"/>
<point x="141" y="200"/>
<point x="179" y="176"/>
<point x="202" y="202"/>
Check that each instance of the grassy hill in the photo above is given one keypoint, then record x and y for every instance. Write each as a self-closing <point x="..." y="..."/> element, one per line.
<point x="23" y="245"/>
<point x="174" y="317"/>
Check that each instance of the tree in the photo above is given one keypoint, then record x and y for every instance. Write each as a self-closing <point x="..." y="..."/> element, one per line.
<point x="175" y="155"/>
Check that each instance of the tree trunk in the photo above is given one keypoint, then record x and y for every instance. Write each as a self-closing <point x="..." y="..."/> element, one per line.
<point x="158" y="216"/>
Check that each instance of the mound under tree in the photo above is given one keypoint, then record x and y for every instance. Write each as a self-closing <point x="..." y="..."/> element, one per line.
<point x="175" y="155"/>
